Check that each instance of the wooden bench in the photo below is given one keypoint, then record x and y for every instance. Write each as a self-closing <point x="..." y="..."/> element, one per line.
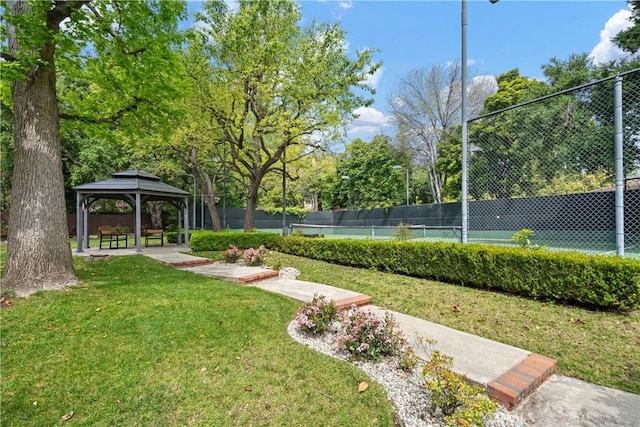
<point x="111" y="236"/>
<point x="153" y="234"/>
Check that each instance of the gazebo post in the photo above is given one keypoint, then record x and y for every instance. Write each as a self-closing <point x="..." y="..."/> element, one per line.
<point x="186" y="221"/>
<point x="179" y="237"/>
<point x="85" y="215"/>
<point x="79" y="227"/>
<point x="138" y="224"/>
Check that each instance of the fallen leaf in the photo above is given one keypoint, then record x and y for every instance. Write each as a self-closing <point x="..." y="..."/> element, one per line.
<point x="67" y="417"/>
<point x="363" y="386"/>
<point x="1" y="300"/>
<point x="118" y="402"/>
<point x="98" y="309"/>
<point x="455" y="309"/>
<point x="248" y="388"/>
<point x="267" y="405"/>
<point x="35" y="403"/>
<point x="8" y="303"/>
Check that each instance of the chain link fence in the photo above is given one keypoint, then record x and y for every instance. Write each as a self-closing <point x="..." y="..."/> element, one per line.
<point x="549" y="166"/>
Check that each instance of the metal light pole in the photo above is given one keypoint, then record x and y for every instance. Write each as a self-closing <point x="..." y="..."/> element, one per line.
<point x="463" y="107"/>
<point x="194" y="203"/>
<point x="465" y="141"/>
<point x="224" y="189"/>
<point x="284" y="192"/>
<point x="407" y="185"/>
<point x="348" y="178"/>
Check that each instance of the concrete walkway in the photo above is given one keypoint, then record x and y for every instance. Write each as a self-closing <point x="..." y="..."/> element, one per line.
<point x="560" y="401"/>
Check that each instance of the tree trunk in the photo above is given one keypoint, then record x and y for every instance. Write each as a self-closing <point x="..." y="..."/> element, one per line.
<point x="211" y="189"/>
<point x="252" y="203"/>
<point x="155" y="210"/>
<point x="39" y="255"/>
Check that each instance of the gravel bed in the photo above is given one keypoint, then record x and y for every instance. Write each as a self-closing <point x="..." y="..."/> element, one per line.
<point x="405" y="390"/>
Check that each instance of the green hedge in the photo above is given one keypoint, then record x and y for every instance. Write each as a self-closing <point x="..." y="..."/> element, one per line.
<point x="597" y="281"/>
<point x="602" y="281"/>
<point x="220" y="241"/>
<point x="172" y="236"/>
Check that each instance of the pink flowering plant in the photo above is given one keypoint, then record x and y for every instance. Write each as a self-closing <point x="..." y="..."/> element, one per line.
<point x="253" y="256"/>
<point x="366" y="336"/>
<point x="315" y="316"/>
<point x="232" y="255"/>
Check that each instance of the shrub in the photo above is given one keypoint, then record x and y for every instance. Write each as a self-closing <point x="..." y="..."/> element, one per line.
<point x="316" y="316"/>
<point x="523" y="239"/>
<point x="403" y="232"/>
<point x="220" y="240"/>
<point x="366" y="336"/>
<point x="569" y="277"/>
<point x="460" y="402"/>
<point x="253" y="256"/>
<point x="408" y="359"/>
<point x="232" y="255"/>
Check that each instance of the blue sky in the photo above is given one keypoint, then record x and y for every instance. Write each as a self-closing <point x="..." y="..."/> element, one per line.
<point x="502" y="36"/>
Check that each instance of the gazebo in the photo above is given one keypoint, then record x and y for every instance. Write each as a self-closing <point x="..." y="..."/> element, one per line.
<point x="134" y="187"/>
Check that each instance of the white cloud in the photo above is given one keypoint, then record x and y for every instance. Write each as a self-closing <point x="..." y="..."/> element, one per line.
<point x="345" y="4"/>
<point x="606" y="51"/>
<point x="370" y="121"/>
<point x="372" y="80"/>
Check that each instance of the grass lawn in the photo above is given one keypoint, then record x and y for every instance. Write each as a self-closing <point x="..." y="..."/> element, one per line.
<point x="144" y="344"/>
<point x="599" y="347"/>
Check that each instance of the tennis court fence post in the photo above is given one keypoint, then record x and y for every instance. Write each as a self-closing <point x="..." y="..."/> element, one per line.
<point x="619" y="170"/>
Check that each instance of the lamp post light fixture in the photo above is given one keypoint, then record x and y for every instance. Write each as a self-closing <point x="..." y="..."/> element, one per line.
<point x="465" y="138"/>
<point x="407" y="184"/>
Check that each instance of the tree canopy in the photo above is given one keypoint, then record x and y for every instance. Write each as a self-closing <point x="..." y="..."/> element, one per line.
<point x="275" y="84"/>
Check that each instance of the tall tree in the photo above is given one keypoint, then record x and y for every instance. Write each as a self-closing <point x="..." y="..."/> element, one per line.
<point x="426" y="104"/>
<point x="113" y="40"/>
<point x="276" y="84"/>
<point x="366" y="177"/>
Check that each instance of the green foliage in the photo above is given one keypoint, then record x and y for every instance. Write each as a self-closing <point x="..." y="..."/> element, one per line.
<point x="315" y="316"/>
<point x="449" y="163"/>
<point x="568" y="277"/>
<point x="372" y="180"/>
<point x="403" y="232"/>
<point x="629" y="39"/>
<point x="219" y="241"/>
<point x="366" y="336"/>
<point x="523" y="239"/>
<point x="459" y="401"/>
<point x="291" y="210"/>
<point x="232" y="255"/>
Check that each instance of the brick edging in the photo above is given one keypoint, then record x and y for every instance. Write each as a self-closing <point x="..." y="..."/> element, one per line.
<point x="267" y="274"/>
<point x="358" y="300"/>
<point x="513" y="386"/>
